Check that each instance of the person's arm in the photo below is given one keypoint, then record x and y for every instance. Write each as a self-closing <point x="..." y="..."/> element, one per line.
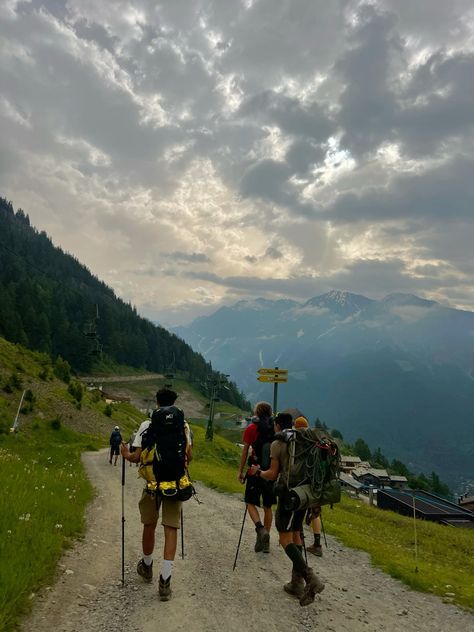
<point x="133" y="457"/>
<point x="189" y="454"/>
<point x="268" y="475"/>
<point x="243" y="461"/>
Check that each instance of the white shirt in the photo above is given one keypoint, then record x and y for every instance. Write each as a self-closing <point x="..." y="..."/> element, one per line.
<point x="137" y="442"/>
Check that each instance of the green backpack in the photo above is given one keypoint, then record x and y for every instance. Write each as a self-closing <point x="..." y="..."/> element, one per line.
<point x="312" y="476"/>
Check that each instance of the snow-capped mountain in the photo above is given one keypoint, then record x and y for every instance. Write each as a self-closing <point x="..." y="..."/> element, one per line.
<point x="398" y="372"/>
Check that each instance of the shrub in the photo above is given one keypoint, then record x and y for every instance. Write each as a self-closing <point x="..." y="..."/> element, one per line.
<point x="75" y="389"/>
<point x="13" y="383"/>
<point x="62" y="370"/>
<point x="108" y="410"/>
<point x="56" y="423"/>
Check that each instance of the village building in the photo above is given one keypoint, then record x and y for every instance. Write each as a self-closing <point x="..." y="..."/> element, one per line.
<point x="372" y="476"/>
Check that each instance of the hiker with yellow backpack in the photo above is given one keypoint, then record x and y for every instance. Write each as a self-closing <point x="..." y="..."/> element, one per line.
<point x="163" y="450"/>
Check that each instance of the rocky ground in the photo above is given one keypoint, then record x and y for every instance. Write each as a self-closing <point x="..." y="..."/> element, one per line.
<point x="207" y="594"/>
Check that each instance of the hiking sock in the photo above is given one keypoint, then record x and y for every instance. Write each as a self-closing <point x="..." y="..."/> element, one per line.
<point x="148" y="559"/>
<point x="258" y="525"/>
<point x="166" y="569"/>
<point x="299" y="565"/>
<point x="317" y="539"/>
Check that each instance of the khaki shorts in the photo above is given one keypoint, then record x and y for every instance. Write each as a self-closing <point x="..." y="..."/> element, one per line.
<point x="150" y="504"/>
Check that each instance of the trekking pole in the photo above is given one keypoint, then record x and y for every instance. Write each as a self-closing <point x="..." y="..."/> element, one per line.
<point x="182" y="535"/>
<point x="324" y="532"/>
<point x="123" y="521"/>
<point x="240" y="539"/>
<point x="304" y="545"/>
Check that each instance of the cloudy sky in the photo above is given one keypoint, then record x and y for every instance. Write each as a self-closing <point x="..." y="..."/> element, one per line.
<point x="193" y="153"/>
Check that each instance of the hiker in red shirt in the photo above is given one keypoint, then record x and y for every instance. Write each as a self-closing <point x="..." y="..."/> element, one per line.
<point x="257" y="440"/>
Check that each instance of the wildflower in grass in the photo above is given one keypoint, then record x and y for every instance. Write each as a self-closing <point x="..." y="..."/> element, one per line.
<point x="27" y="517"/>
<point x="58" y="526"/>
<point x="9" y="532"/>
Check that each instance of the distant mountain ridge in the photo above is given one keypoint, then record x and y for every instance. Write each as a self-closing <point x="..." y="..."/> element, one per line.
<point x="399" y="370"/>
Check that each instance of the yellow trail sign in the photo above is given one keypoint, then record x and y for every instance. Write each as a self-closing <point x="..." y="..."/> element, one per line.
<point x="273" y="378"/>
<point x="280" y="372"/>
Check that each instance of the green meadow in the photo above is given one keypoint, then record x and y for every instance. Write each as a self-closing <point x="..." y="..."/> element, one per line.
<point x="44" y="494"/>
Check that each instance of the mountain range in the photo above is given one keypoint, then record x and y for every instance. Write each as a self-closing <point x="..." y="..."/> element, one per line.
<point x="398" y="372"/>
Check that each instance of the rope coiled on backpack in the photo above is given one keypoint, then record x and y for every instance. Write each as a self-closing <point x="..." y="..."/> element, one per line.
<point x="316" y="467"/>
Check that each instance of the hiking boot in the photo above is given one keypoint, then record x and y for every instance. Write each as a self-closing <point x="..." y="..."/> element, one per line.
<point x="263" y="539"/>
<point x="145" y="570"/>
<point x="164" y="589"/>
<point x="266" y="542"/>
<point x="315" y="549"/>
<point x="296" y="586"/>
<point x="313" y="586"/>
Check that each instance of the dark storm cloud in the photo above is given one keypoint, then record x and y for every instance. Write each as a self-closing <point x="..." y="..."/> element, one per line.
<point x="188" y="257"/>
<point x="269" y="180"/>
<point x="442" y="194"/>
<point x="368" y="103"/>
<point x="291" y="116"/>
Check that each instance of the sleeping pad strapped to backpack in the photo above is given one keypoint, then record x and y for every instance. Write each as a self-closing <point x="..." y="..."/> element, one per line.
<point x="312" y="477"/>
<point x="163" y="457"/>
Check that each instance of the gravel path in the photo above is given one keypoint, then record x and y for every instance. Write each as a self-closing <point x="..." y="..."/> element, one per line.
<point x="207" y="595"/>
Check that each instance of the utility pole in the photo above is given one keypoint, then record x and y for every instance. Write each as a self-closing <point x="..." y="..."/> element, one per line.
<point x="215" y="385"/>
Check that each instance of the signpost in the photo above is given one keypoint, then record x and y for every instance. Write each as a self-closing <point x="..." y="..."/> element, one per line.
<point x="275" y="376"/>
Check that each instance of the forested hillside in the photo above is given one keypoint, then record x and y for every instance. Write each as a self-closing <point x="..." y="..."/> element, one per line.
<point x="52" y="303"/>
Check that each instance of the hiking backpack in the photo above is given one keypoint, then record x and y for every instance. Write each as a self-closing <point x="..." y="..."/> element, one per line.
<point x="261" y="447"/>
<point x="312" y="475"/>
<point x="163" y="457"/>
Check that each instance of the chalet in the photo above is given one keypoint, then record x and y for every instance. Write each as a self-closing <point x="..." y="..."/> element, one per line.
<point x="349" y="463"/>
<point x="466" y="502"/>
<point x="372" y="476"/>
<point x="349" y="482"/>
<point x="398" y="482"/>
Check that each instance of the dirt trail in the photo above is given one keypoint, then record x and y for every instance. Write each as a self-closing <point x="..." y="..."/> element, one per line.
<point x="208" y="596"/>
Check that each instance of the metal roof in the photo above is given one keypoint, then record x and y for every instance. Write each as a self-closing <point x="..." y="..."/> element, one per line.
<point x="424" y="505"/>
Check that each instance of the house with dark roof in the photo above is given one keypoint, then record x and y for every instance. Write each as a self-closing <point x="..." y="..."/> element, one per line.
<point x="372" y="476"/>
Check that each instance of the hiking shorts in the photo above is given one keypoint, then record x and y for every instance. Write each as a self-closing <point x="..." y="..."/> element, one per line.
<point x="287" y="521"/>
<point x="257" y="488"/>
<point x="150" y="505"/>
<point x="114" y="449"/>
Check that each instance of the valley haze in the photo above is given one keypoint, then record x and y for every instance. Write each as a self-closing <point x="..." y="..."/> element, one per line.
<point x="398" y="372"/>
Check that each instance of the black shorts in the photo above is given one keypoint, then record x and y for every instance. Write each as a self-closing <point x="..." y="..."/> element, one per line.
<point x="114" y="449"/>
<point x="287" y="521"/>
<point x="257" y="488"/>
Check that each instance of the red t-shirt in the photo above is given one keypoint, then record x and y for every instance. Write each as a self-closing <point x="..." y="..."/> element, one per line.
<point x="250" y="434"/>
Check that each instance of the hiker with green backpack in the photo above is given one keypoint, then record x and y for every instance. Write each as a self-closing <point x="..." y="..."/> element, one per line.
<point x="257" y="440"/>
<point x="163" y="450"/>
<point x="305" y="464"/>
